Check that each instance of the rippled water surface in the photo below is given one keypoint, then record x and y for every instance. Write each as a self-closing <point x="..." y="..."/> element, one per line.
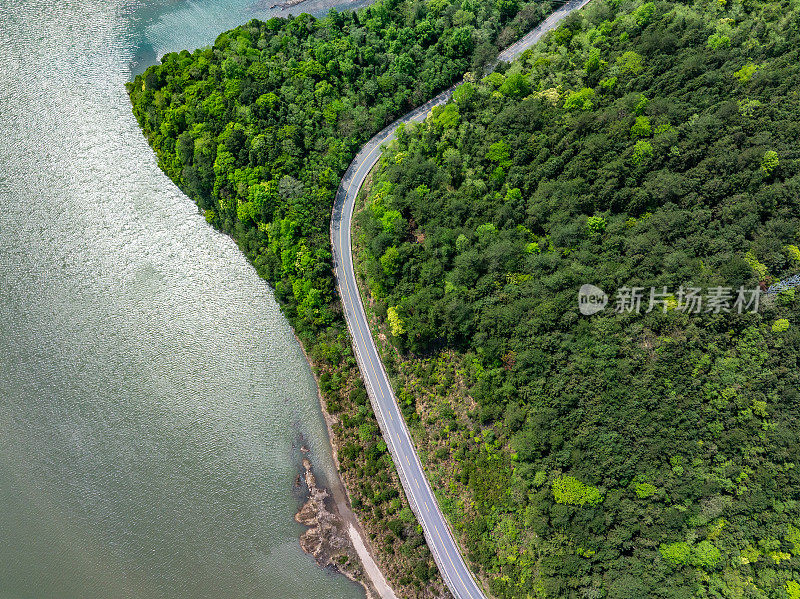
<point x="152" y="397"/>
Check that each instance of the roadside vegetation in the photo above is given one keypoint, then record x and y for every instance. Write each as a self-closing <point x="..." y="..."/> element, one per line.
<point x="642" y="144"/>
<point x="258" y="130"/>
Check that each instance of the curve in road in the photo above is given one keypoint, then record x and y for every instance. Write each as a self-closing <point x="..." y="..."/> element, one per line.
<point x="412" y="475"/>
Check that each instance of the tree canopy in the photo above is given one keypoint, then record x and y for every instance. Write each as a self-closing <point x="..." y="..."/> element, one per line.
<point x="637" y="454"/>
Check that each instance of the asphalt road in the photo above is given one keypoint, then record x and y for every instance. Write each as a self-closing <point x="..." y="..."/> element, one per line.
<point x="418" y="490"/>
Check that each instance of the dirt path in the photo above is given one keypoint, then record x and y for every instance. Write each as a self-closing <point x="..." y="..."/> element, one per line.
<point x="370" y="567"/>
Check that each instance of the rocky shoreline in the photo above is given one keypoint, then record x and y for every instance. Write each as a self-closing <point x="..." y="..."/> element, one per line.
<point x="327" y="539"/>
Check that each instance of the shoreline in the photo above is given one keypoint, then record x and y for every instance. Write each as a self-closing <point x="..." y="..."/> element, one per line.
<point x="376" y="583"/>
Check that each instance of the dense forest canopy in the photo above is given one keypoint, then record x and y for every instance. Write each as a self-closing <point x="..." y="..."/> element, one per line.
<point x="258" y="130"/>
<point x="642" y="144"/>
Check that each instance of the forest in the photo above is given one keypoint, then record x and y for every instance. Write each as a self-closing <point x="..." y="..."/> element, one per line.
<point x="626" y="454"/>
<point x="258" y="130"/>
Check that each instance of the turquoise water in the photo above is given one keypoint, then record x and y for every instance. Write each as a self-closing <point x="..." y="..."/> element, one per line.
<point x="174" y="25"/>
<point x="152" y="397"/>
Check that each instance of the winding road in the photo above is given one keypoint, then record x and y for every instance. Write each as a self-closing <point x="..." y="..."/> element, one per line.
<point x="418" y="490"/>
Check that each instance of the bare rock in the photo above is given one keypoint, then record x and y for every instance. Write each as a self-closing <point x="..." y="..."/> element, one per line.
<point x="327" y="538"/>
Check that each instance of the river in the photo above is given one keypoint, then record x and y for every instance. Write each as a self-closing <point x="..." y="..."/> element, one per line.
<point x="152" y="397"/>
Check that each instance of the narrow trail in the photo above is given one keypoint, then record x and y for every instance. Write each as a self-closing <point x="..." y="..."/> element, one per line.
<point x="440" y="539"/>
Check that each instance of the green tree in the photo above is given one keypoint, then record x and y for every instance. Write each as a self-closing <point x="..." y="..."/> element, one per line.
<point x="580" y="100"/>
<point x="769" y="162"/>
<point x="569" y="490"/>
<point x="677" y="554"/>
<point x="705" y="555"/>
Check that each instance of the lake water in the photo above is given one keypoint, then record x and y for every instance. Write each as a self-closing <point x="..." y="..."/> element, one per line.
<point x="152" y="397"/>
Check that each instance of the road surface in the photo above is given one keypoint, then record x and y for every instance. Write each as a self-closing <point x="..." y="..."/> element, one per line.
<point x="437" y="533"/>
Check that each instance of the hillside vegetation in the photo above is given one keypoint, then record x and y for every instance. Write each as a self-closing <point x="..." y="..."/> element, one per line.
<point x="258" y="130"/>
<point x="617" y="455"/>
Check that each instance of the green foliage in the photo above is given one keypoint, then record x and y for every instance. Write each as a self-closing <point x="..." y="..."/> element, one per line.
<point x="406" y="515"/>
<point x="769" y="162"/>
<point x="532" y="248"/>
<point x="395" y="321"/>
<point x="793" y="537"/>
<point x="644" y="14"/>
<point x="445" y="117"/>
<point x="642" y="151"/>
<point x="706" y="402"/>
<point x="390" y="261"/>
<point x="596" y="225"/>
<point x="500" y="153"/>
<point x="780" y="325"/>
<point x="717" y="40"/>
<point x="569" y="490"/>
<point x="486" y="230"/>
<point x="516" y="86"/>
<point x="746" y="72"/>
<point x="641" y="105"/>
<point x="641" y="128"/>
<point x="580" y="100"/>
<point x="759" y="268"/>
<point x="463" y="94"/>
<point x="645" y="490"/>
<point x="630" y="63"/>
<point x="677" y="554"/>
<point x="594" y="63"/>
<point x="608" y="84"/>
<point x="705" y="555"/>
<point x="495" y="79"/>
<point x="366" y="432"/>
